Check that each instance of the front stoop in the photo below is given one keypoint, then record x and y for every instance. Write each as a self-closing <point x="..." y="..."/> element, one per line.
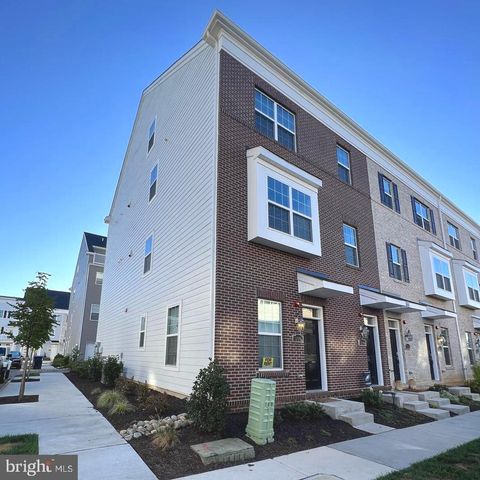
<point x="464" y="392"/>
<point x="354" y="414"/>
<point x="419" y="403"/>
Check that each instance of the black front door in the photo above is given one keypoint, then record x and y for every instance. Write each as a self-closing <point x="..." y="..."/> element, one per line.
<point x="430" y="355"/>
<point x="313" y="377"/>
<point x="372" y="356"/>
<point x="395" y="359"/>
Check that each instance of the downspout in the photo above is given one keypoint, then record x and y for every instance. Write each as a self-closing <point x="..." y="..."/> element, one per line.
<point x="454" y="303"/>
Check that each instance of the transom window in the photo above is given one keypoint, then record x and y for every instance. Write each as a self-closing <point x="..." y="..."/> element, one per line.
<point x="473" y="243"/>
<point x="171" y="350"/>
<point x="453" y="236"/>
<point x="147" y="260"/>
<point x="274" y="121"/>
<point x="446" y="346"/>
<point x="153" y="182"/>
<point x="397" y="263"/>
<point x="94" y="312"/>
<point x="151" y="135"/>
<point x="388" y="193"/>
<point x="343" y="165"/>
<point x="289" y="207"/>
<point x="423" y="216"/>
<point x="269" y="334"/>
<point x="442" y="274"/>
<point x="350" y="244"/>
<point x="143" y="325"/>
<point x="471" y="280"/>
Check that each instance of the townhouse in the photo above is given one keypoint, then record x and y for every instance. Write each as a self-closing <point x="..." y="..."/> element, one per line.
<point x="80" y="329"/>
<point x="245" y="227"/>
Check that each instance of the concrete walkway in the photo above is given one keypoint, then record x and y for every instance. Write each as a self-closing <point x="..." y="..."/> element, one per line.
<point x="364" y="458"/>
<point x="67" y="423"/>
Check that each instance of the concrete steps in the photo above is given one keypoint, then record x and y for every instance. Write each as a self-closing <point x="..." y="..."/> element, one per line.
<point x="415" y="405"/>
<point x="456" y="409"/>
<point x="464" y="392"/>
<point x="435" y="413"/>
<point x="357" y="418"/>
<point x="420" y="403"/>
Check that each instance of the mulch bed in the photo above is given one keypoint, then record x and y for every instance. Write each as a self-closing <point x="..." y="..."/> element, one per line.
<point x="290" y="436"/>
<point x="14" y="399"/>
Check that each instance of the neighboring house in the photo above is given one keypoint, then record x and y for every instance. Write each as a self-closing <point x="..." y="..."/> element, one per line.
<point x="84" y="308"/>
<point x="242" y="217"/>
<point x="50" y="348"/>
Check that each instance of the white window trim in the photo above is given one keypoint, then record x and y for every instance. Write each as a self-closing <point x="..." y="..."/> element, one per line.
<point x="153" y="122"/>
<point x="460" y="268"/>
<point x="398" y="336"/>
<point x="261" y="164"/>
<point x="349" y="168"/>
<point x="276" y="369"/>
<point x="467" y="272"/>
<point x="428" y="218"/>
<point x="345" y="243"/>
<point x="449" y="347"/>
<point x="145" y="256"/>
<point x="456" y="237"/>
<point x="434" y="272"/>
<point x="433" y="348"/>
<point x="169" y="306"/>
<point x="378" y="352"/>
<point x="276" y="124"/>
<point x="96" y="278"/>
<point x="91" y="311"/>
<point x="321" y="344"/>
<point x="150" y="183"/>
<point x="144" y="332"/>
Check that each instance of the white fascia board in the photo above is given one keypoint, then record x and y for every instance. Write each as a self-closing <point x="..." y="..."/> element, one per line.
<point x="467" y="265"/>
<point x="434" y="313"/>
<point x="317" y="287"/>
<point x="246" y="50"/>
<point x="409" y="308"/>
<point x="439" y="250"/>
<point x="379" y="300"/>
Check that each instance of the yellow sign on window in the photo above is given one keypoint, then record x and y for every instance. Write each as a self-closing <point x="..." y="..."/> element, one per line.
<point x="267" y="362"/>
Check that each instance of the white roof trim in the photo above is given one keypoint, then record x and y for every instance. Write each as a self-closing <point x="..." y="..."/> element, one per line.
<point x="316" y="287"/>
<point x="434" y="313"/>
<point x="380" y="301"/>
<point x="435" y="248"/>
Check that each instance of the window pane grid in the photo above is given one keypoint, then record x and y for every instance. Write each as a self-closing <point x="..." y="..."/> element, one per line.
<point x="270" y="332"/>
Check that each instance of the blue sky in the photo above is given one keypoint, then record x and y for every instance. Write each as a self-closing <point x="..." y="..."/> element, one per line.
<point x="72" y="73"/>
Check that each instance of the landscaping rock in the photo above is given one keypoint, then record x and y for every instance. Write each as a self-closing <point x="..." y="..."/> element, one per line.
<point x="127" y="437"/>
<point x="137" y="435"/>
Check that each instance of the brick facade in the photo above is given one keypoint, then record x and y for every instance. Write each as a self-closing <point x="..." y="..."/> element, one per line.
<point x="246" y="271"/>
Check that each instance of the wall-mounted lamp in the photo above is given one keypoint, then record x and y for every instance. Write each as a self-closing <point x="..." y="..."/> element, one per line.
<point x="441" y="340"/>
<point x="408" y="336"/>
<point x="300" y="325"/>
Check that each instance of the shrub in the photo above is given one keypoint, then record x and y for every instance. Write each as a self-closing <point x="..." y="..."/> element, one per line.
<point x="302" y="411"/>
<point x="157" y="402"/>
<point x="438" y="387"/>
<point x="474" y="386"/>
<point x="142" y="392"/>
<point x="75" y="354"/>
<point x="371" y="397"/>
<point x="165" y="439"/>
<point x="80" y="367"/>
<point x="125" y="385"/>
<point x="57" y="362"/>
<point x="94" y="366"/>
<point x="121" y="407"/>
<point x="112" y="368"/>
<point x="207" y="406"/>
<point x="96" y="391"/>
<point x="108" y="398"/>
<point x="476" y="373"/>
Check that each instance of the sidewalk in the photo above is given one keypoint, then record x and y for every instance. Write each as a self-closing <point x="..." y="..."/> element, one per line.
<point x="67" y="423"/>
<point x="364" y="458"/>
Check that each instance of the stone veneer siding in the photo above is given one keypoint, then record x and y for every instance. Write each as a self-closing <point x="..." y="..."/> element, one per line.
<point x="247" y="271"/>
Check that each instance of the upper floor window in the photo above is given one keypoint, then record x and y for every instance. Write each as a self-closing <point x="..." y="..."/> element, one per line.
<point x="153" y="183"/>
<point x="98" y="278"/>
<point x="151" y="135"/>
<point x="269" y="334"/>
<point x="397" y="263"/>
<point x="94" y="311"/>
<point x="473" y="243"/>
<point x="388" y="193"/>
<point x="453" y="235"/>
<point x="443" y="276"/>
<point x="350" y="244"/>
<point x="274" y="121"/>
<point x="471" y="281"/>
<point x="343" y="165"/>
<point x="171" y="348"/>
<point x="147" y="260"/>
<point x="143" y="327"/>
<point x="423" y="216"/>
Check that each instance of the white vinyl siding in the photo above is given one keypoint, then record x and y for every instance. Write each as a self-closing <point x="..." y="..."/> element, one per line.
<point x="181" y="219"/>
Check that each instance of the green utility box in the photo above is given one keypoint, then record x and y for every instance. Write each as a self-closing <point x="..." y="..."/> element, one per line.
<point x="261" y="411"/>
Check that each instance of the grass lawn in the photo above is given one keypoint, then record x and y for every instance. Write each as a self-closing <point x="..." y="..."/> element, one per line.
<point x="462" y="463"/>
<point x="19" y="444"/>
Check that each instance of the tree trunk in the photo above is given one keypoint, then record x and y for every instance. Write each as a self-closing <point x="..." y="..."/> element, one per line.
<point x="24" y="377"/>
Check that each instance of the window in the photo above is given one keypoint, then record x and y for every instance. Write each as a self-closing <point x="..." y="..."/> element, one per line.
<point x="94" y="312"/>
<point x="343" y="165"/>
<point x="473" y="243"/>
<point x="171" y="349"/>
<point x="98" y="278"/>
<point x="147" y="261"/>
<point x="269" y="334"/>
<point x="151" y="135"/>
<point x="441" y="269"/>
<point x="283" y="213"/>
<point x="388" y="193"/>
<point x="397" y="263"/>
<point x="274" y="121"/>
<point x="471" y="280"/>
<point x="471" y="354"/>
<point x="143" y="325"/>
<point x="423" y="216"/>
<point x="453" y="235"/>
<point x="350" y="243"/>
<point x="153" y="183"/>
<point x="446" y="346"/>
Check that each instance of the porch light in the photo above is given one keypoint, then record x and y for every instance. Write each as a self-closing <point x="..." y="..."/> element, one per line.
<point x="408" y="336"/>
<point x="300" y="324"/>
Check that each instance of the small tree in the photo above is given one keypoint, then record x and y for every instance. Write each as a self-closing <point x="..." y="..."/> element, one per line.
<point x="207" y="406"/>
<point x="33" y="317"/>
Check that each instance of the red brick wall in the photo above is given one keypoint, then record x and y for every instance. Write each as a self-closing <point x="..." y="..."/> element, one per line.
<point x="247" y="271"/>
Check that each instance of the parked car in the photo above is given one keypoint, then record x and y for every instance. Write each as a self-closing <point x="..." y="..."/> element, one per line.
<point x="5" y="365"/>
<point x="16" y="358"/>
